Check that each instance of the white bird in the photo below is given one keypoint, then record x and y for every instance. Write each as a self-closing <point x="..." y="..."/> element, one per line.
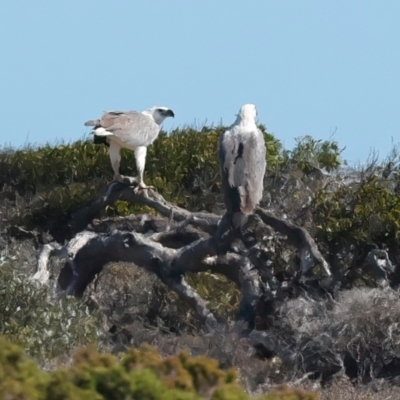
<point x="130" y="129"/>
<point x="242" y="162"/>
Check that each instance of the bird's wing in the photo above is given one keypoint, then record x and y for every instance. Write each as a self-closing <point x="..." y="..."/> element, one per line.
<point x="231" y="151"/>
<point x="258" y="164"/>
<point x="231" y="175"/>
<point x="132" y="128"/>
<point x="242" y="162"/>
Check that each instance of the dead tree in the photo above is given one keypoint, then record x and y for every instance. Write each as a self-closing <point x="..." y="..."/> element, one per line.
<point x="170" y="244"/>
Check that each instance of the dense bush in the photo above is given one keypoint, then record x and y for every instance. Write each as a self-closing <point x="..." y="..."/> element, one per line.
<point x="141" y="374"/>
<point x="369" y="211"/>
<point x="358" y="331"/>
<point x="178" y="165"/>
<point x="348" y="211"/>
<point x="351" y="218"/>
<point x="309" y="154"/>
<point x="33" y="316"/>
<point x="48" y="182"/>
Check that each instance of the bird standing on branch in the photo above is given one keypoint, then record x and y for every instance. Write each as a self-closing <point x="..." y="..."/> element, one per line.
<point x="130" y="129"/>
<point x="242" y="162"/>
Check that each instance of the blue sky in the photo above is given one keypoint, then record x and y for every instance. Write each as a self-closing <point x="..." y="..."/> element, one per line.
<point x="312" y="67"/>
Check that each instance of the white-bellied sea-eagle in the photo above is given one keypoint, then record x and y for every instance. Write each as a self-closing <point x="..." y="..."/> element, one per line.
<point x="242" y="162"/>
<point x="133" y="130"/>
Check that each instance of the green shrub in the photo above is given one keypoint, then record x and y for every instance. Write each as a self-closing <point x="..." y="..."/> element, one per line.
<point x="141" y="375"/>
<point x="222" y="295"/>
<point x="310" y="153"/>
<point x="285" y="393"/>
<point x="32" y="316"/>
<point x="55" y="180"/>
<point x="19" y="377"/>
<point x="368" y="212"/>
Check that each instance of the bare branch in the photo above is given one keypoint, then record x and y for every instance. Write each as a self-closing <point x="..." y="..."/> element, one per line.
<point x="170" y="245"/>
<point x="297" y="236"/>
<point x="120" y="191"/>
<point x="54" y="249"/>
<point x="48" y="250"/>
<point x="187" y="293"/>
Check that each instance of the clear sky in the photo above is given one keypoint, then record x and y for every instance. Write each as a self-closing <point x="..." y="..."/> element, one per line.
<point x="312" y="67"/>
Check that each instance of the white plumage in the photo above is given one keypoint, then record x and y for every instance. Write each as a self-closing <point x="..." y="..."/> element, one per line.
<point x="242" y="161"/>
<point x="130" y="129"/>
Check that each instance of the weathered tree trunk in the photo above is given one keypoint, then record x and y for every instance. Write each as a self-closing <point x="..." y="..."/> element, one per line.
<point x="181" y="241"/>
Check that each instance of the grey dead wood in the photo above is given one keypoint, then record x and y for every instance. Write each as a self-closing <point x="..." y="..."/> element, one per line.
<point x="177" y="243"/>
<point x="119" y="191"/>
<point x="298" y="237"/>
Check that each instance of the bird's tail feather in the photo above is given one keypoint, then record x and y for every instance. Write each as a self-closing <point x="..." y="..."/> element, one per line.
<point x="92" y="122"/>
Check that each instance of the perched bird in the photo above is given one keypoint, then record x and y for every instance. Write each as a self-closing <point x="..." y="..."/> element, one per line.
<point x="242" y="163"/>
<point x="130" y="129"/>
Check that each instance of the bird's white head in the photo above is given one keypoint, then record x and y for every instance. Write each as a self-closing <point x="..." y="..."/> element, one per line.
<point x="159" y="114"/>
<point x="247" y="112"/>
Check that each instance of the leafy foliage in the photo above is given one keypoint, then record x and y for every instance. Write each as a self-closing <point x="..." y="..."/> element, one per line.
<point x="285" y="393"/>
<point x="310" y="153"/>
<point x="347" y="211"/>
<point x="32" y="316"/>
<point x="140" y="374"/>
<point x="369" y="211"/>
<point x="51" y="181"/>
<point x="222" y="294"/>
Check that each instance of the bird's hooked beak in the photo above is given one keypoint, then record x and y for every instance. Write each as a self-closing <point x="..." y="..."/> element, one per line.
<point x="169" y="113"/>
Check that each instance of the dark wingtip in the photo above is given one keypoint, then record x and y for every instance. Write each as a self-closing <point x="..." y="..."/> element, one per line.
<point x="100" y="140"/>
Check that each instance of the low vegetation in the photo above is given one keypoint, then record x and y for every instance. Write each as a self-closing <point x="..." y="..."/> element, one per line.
<point x="139" y="374"/>
<point x="46" y="325"/>
<point x="309" y="336"/>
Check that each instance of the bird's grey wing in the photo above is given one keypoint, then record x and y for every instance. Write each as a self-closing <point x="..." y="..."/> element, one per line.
<point x="133" y="128"/>
<point x="242" y="159"/>
<point x="107" y="119"/>
<point x="113" y="120"/>
<point x="232" y="150"/>
<point x="254" y="158"/>
<point x="231" y="172"/>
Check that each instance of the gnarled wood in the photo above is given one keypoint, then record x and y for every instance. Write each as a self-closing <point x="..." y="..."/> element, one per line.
<point x="169" y="246"/>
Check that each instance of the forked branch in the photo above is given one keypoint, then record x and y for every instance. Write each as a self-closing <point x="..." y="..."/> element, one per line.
<point x="184" y="242"/>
